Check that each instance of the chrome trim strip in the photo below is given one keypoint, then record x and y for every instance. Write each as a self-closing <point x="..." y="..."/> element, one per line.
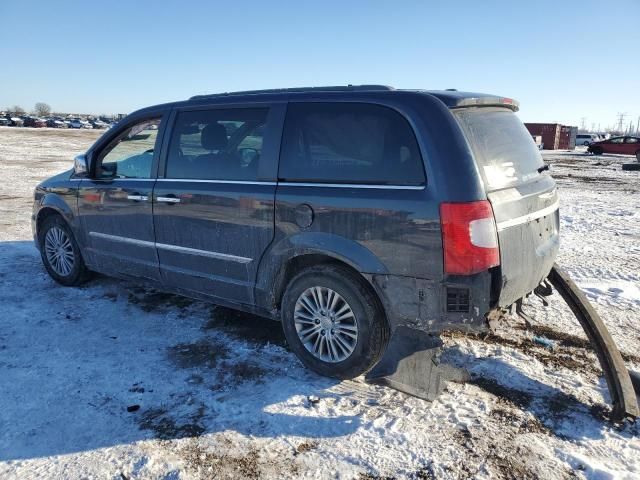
<point x="203" y="253"/>
<point x="173" y="248"/>
<point x="109" y="180"/>
<point x="529" y="217"/>
<point x="143" y="198"/>
<point x="168" y="199"/>
<point x="298" y="184"/>
<point x="233" y="182"/>
<point x="117" y="238"/>
<point x="352" y="185"/>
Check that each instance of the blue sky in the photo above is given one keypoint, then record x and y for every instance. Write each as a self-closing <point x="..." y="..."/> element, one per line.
<point x="562" y="60"/>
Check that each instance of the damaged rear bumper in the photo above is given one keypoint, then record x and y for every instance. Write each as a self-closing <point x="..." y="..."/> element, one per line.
<point x="458" y="303"/>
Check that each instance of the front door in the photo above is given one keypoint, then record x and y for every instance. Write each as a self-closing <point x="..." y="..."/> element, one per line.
<point x="214" y="206"/>
<point x="115" y="202"/>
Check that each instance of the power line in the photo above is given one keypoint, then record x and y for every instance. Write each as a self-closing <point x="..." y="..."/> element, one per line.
<point x="621" y="116"/>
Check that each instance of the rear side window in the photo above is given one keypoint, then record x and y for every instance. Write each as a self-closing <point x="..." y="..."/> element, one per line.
<point x="503" y="148"/>
<point x="220" y="144"/>
<point x="349" y="143"/>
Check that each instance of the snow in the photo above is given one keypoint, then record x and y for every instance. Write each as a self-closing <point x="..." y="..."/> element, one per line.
<point x="220" y="396"/>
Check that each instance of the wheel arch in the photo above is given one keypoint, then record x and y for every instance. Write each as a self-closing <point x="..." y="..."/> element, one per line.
<point x="282" y="262"/>
<point x="48" y="211"/>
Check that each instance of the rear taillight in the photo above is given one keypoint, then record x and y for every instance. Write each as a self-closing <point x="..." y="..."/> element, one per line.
<point x="469" y="237"/>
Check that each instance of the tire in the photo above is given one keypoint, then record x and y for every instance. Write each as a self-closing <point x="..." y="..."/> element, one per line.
<point x="596" y="150"/>
<point x="70" y="271"/>
<point x="638" y="155"/>
<point x="368" y="318"/>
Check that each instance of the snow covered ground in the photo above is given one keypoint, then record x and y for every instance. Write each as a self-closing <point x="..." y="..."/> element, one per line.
<point x="220" y="396"/>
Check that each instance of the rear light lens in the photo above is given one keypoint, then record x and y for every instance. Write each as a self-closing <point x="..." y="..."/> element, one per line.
<point x="469" y="237"/>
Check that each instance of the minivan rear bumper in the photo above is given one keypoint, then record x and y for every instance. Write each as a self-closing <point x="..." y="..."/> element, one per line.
<point x="457" y="303"/>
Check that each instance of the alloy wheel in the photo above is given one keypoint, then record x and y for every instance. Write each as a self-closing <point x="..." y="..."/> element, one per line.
<point x="325" y="324"/>
<point x="59" y="251"/>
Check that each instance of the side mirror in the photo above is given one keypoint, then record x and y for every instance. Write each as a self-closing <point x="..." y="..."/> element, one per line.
<point x="80" y="165"/>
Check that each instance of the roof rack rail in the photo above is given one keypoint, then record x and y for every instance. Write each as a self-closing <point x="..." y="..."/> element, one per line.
<point x="334" y="88"/>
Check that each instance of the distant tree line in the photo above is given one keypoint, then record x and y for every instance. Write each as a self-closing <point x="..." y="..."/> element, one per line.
<point x="40" y="109"/>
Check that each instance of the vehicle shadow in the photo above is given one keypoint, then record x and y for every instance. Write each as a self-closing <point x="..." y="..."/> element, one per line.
<point x="111" y="363"/>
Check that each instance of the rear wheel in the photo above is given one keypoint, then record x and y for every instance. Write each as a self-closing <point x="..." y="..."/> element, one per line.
<point x="333" y="322"/>
<point x="638" y="155"/>
<point x="60" y="253"/>
<point x="596" y="150"/>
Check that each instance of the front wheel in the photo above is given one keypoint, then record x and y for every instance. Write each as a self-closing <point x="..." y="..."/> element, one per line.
<point x="333" y="322"/>
<point x="596" y="150"/>
<point x="60" y="252"/>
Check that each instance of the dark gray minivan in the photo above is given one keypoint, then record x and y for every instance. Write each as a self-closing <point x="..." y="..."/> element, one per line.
<point x="344" y="212"/>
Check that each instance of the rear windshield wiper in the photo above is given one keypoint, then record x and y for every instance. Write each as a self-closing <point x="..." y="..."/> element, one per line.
<point x="543" y="168"/>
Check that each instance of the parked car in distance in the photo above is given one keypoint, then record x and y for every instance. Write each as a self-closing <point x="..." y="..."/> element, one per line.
<point x="34" y="122"/>
<point x="16" y="122"/>
<point x="98" y="124"/>
<point x="56" y="123"/>
<point x="626" y="145"/>
<point x="78" y="123"/>
<point x="343" y="212"/>
<point x="586" y="138"/>
<point x="4" y="122"/>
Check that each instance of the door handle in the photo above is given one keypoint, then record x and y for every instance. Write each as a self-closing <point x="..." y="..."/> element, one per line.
<point x="138" y="198"/>
<point x="172" y="199"/>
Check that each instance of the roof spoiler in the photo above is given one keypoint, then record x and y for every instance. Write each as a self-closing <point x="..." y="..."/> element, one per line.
<point x="487" y="102"/>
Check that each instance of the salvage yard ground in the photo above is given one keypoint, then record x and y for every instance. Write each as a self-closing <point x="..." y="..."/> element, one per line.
<point x="216" y="394"/>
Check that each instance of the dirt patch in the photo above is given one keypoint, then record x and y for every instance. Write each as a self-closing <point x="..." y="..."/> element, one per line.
<point x="373" y="476"/>
<point x="217" y="464"/>
<point x="305" y="447"/>
<point x="581" y="178"/>
<point x="563" y="357"/>
<point x="564" y="339"/>
<point x="516" y="419"/>
<point x="242" y="371"/>
<point x="151" y="300"/>
<point x="165" y="427"/>
<point x="246" y="326"/>
<point x="200" y="354"/>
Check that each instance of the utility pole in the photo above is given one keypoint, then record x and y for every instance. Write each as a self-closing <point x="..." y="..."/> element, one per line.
<point x="583" y="123"/>
<point x="638" y="126"/>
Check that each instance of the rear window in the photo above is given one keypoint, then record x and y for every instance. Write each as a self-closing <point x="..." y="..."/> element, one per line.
<point x="349" y="143"/>
<point x="503" y="148"/>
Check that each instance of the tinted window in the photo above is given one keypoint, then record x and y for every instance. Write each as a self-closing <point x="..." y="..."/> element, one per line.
<point x="217" y="144"/>
<point x="131" y="154"/>
<point x="349" y="143"/>
<point x="631" y="140"/>
<point x="617" y="140"/>
<point x="502" y="146"/>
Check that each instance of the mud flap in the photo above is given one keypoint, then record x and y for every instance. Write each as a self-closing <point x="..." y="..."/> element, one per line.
<point x="411" y="364"/>
<point x="623" y="396"/>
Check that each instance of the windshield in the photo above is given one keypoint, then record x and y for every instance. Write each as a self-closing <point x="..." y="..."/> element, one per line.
<point x="503" y="148"/>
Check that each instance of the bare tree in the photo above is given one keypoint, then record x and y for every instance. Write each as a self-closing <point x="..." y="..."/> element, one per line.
<point x="42" y="109"/>
<point x="16" y="110"/>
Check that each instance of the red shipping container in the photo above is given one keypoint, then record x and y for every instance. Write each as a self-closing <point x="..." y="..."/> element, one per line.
<point x="550" y="133"/>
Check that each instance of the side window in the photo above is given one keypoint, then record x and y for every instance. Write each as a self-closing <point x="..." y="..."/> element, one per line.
<point x="616" y="140"/>
<point x="217" y="144"/>
<point x="349" y="143"/>
<point x="130" y="155"/>
<point x="631" y="140"/>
